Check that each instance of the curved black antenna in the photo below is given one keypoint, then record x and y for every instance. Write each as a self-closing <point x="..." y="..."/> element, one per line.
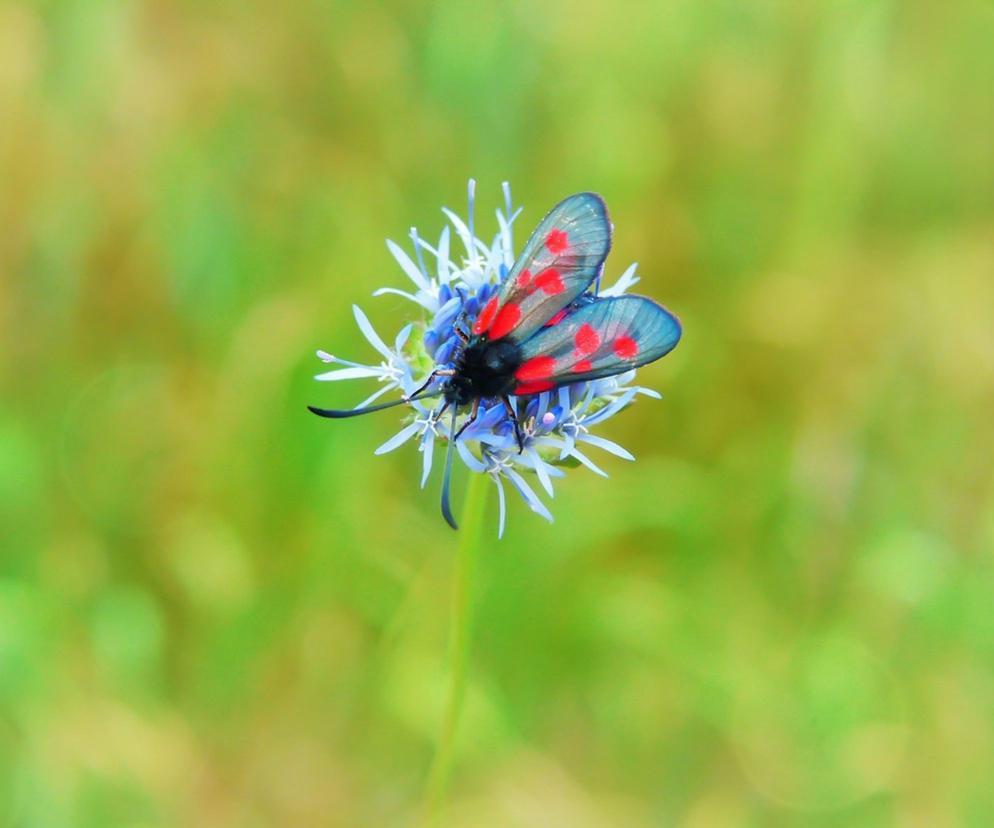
<point x="446" y="476"/>
<point x="338" y="414"/>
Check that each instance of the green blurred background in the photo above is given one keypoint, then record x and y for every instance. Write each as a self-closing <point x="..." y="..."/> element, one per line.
<point x="217" y="610"/>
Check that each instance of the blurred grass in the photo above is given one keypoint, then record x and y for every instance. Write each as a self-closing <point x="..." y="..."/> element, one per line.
<point x="216" y="610"/>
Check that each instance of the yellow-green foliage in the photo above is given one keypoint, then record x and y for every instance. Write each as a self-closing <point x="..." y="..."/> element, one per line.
<point x="218" y="610"/>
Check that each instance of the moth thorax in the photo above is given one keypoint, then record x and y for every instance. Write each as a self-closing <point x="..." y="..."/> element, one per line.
<point x="460" y="390"/>
<point x="501" y="357"/>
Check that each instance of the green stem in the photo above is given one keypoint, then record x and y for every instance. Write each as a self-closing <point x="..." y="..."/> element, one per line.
<point x="460" y="637"/>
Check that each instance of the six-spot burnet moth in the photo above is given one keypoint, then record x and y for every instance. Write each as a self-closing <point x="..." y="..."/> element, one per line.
<point x="542" y="330"/>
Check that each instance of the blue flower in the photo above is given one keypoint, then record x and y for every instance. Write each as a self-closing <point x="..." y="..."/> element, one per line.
<point x="556" y="424"/>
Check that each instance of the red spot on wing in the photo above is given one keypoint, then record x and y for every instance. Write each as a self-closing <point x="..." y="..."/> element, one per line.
<point x="536" y="368"/>
<point x="557" y="318"/>
<point x="587" y="340"/>
<point x="550" y="281"/>
<point x="533" y="388"/>
<point x="582" y="366"/>
<point x="507" y="318"/>
<point x="524" y="277"/>
<point x="625" y="347"/>
<point x="557" y="242"/>
<point x="486" y="316"/>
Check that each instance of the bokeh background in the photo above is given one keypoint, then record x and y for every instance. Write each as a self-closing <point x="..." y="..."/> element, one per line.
<point x="218" y="610"/>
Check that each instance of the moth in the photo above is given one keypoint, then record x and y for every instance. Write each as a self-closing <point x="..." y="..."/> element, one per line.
<point x="543" y="328"/>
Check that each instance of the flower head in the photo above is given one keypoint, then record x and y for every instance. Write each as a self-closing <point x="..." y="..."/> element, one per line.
<point x="554" y="427"/>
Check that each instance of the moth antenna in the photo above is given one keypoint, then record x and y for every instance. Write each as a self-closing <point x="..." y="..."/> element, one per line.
<point x="447" y="475"/>
<point x="338" y="414"/>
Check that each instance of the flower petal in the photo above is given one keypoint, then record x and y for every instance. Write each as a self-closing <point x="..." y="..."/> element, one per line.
<point x="611" y="408"/>
<point x="368" y="332"/>
<point x="423" y="299"/>
<point x="471" y="205"/>
<point x="376" y="395"/>
<point x="463" y="231"/>
<point x="468" y="458"/>
<point x="501" y="506"/>
<point x="408" y="266"/>
<point x="607" y="445"/>
<point x="543" y="476"/>
<point x="417" y="252"/>
<point x="579" y="455"/>
<point x="401" y="339"/>
<point x="625" y="281"/>
<point x="443" y="255"/>
<point x="527" y="493"/>
<point x="358" y="372"/>
<point x="427" y="449"/>
<point x="399" y="438"/>
<point x="506" y="240"/>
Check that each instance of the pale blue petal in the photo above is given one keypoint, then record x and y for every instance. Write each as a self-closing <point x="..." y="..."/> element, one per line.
<point x="607" y="445"/>
<point x="401" y="339"/>
<point x="528" y="494"/>
<point x="324" y="356"/>
<point x="417" y="252"/>
<point x="427" y="449"/>
<point x="568" y="442"/>
<point x="506" y="220"/>
<point x="423" y="404"/>
<point x="610" y="409"/>
<point x="554" y="443"/>
<point x="399" y="438"/>
<point x="424" y="299"/>
<point x="369" y="333"/>
<point x="450" y="307"/>
<point x="625" y="281"/>
<point x="473" y="277"/>
<point x="548" y="441"/>
<point x="588" y="398"/>
<point x="471" y="199"/>
<point x="579" y="455"/>
<point x="505" y="240"/>
<point x="500" y="441"/>
<point x="494" y="255"/>
<point x="443" y="255"/>
<point x="542" y="474"/>
<point x="462" y="230"/>
<point x="543" y="405"/>
<point x="374" y="397"/>
<point x="349" y="373"/>
<point x="468" y="458"/>
<point x="406" y="381"/>
<point x="501" y="506"/>
<point x="408" y="266"/>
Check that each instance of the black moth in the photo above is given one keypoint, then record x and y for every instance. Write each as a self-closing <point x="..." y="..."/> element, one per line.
<point x="542" y="329"/>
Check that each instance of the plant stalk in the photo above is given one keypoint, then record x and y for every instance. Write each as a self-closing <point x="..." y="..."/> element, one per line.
<point x="460" y="639"/>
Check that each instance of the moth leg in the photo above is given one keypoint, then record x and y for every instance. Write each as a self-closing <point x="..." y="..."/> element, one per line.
<point x="459" y="326"/>
<point x="514" y="419"/>
<point x="470" y="421"/>
<point x="438" y="372"/>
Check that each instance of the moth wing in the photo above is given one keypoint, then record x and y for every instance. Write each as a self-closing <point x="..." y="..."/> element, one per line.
<point x="609" y="336"/>
<point x="559" y="262"/>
